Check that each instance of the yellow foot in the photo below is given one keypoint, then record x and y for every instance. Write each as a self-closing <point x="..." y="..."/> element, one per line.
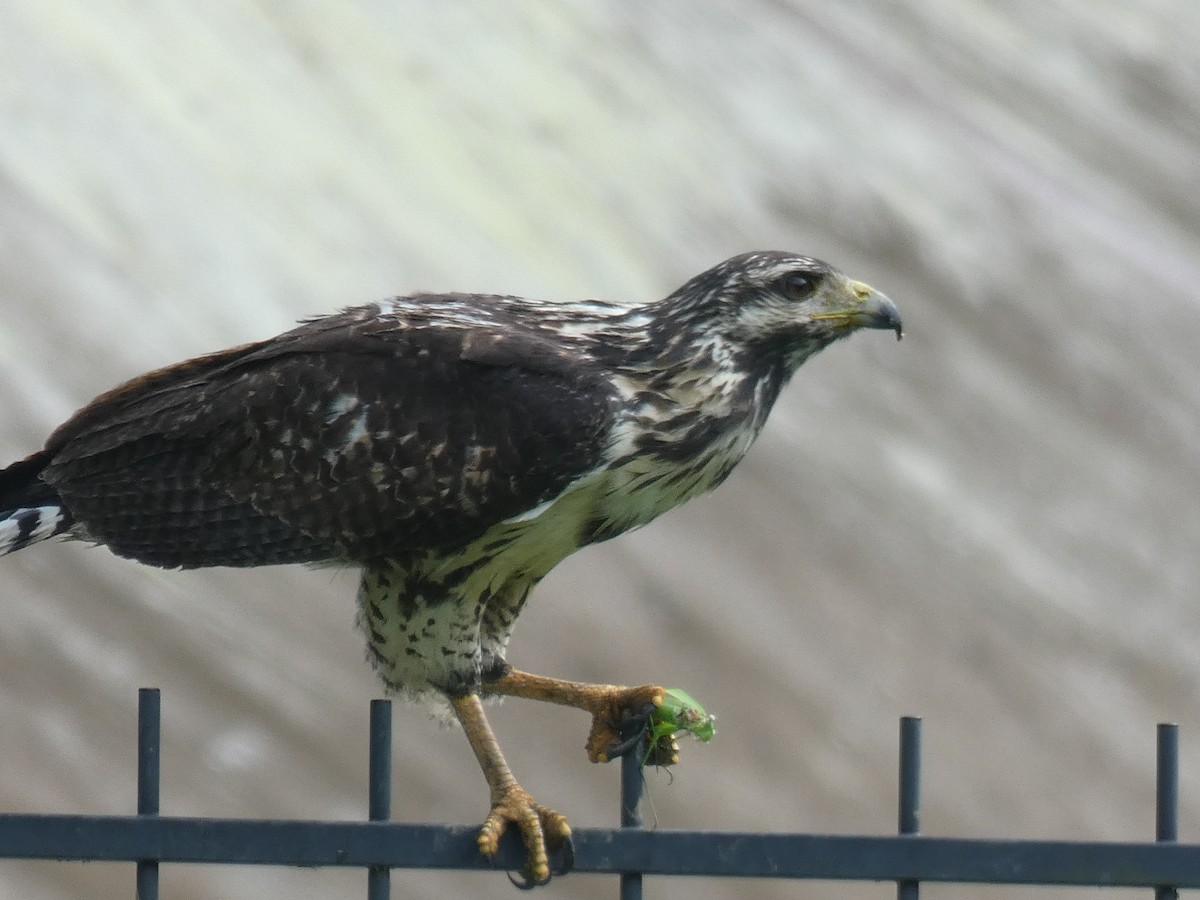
<point x="543" y="831"/>
<point x="619" y="715"/>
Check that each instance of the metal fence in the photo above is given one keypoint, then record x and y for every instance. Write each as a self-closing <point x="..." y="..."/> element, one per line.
<point x="629" y="852"/>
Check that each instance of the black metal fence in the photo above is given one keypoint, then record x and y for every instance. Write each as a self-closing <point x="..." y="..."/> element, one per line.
<point x="629" y="852"/>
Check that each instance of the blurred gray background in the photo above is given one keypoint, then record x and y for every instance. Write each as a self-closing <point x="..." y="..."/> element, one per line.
<point x="993" y="524"/>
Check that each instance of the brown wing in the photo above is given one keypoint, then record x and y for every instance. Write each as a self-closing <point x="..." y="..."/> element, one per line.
<point x="348" y="438"/>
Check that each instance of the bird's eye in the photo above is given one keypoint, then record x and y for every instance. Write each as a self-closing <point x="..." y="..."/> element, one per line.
<point x="797" y="285"/>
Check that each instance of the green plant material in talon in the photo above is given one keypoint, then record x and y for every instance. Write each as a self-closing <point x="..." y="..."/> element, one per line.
<point x="679" y="713"/>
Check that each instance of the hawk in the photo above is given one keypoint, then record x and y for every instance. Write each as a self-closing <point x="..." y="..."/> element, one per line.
<point x="455" y="447"/>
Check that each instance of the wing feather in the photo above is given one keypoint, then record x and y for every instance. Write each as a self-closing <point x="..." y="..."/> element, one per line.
<point x="348" y="438"/>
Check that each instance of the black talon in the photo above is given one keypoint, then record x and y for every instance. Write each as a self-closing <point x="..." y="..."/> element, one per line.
<point x="634" y="726"/>
<point x="525" y="884"/>
<point x="568" y="858"/>
<point x="567" y="848"/>
<point x="521" y="883"/>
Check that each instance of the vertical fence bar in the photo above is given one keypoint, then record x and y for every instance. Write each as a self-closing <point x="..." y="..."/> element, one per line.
<point x="631" y="813"/>
<point x="910" y="794"/>
<point x="379" y="789"/>
<point x="149" y="732"/>
<point x="1166" y="800"/>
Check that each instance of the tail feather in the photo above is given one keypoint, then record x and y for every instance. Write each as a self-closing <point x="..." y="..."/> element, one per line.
<point x="30" y="509"/>
<point x="21" y="527"/>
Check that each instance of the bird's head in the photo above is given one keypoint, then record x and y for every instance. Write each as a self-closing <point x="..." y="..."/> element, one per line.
<point x="785" y="306"/>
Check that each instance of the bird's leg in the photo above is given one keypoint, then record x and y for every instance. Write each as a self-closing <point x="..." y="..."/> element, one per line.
<point x="542" y="829"/>
<point x="613" y="708"/>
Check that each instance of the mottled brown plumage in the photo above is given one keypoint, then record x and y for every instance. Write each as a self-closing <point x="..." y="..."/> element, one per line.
<point x="455" y="447"/>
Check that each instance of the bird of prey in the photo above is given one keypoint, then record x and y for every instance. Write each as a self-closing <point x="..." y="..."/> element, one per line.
<point x="455" y="447"/>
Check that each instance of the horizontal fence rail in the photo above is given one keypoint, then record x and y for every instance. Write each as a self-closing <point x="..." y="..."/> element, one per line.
<point x="602" y="851"/>
<point x="378" y="845"/>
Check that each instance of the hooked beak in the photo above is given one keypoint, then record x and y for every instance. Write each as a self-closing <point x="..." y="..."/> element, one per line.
<point x="864" y="307"/>
<point x="877" y="310"/>
<point x="867" y="308"/>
